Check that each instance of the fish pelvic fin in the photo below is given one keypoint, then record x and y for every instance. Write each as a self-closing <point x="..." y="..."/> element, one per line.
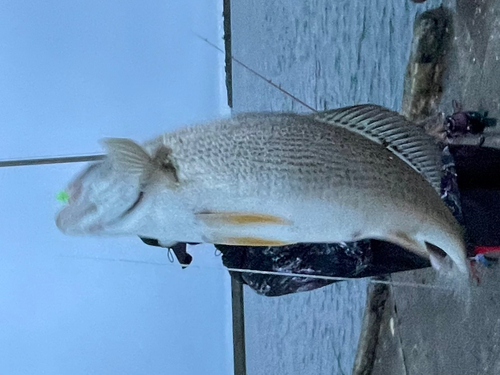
<point x="403" y="138"/>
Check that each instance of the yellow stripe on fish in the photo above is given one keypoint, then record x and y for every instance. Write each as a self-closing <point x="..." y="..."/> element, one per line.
<point x="251" y="241"/>
<point x="240" y="218"/>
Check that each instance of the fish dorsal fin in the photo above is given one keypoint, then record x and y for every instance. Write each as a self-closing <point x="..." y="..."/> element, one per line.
<point x="128" y="156"/>
<point x="406" y="140"/>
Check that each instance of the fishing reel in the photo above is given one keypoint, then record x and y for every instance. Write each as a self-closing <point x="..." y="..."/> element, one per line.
<point x="463" y="122"/>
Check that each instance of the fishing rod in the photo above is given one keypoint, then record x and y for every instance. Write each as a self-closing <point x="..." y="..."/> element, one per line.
<point x="53" y="160"/>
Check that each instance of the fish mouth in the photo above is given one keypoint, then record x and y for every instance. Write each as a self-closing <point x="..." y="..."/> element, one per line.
<point x="69" y="222"/>
<point x="79" y="219"/>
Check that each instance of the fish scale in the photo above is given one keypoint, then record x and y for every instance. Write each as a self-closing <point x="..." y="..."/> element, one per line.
<point x="324" y="164"/>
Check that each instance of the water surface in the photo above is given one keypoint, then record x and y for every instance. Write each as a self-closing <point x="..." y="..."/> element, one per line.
<point x="329" y="54"/>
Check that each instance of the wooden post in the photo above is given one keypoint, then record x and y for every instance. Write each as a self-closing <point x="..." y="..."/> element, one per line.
<point x="240" y="367"/>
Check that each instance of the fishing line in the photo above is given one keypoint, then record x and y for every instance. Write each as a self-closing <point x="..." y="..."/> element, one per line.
<point x="97" y="259"/>
<point x="87" y="158"/>
<point x="239" y="62"/>
<point x="274" y="273"/>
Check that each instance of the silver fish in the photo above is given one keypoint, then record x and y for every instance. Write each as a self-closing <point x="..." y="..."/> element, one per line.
<point x="272" y="179"/>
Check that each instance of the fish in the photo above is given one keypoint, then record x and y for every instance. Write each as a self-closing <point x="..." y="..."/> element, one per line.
<point x="273" y="179"/>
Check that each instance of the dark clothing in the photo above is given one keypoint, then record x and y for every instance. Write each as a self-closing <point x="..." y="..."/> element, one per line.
<point x="350" y="260"/>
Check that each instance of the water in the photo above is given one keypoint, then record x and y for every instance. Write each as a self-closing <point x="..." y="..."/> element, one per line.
<point x="329" y="54"/>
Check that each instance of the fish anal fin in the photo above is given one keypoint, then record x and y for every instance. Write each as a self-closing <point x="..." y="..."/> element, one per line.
<point x="240" y="218"/>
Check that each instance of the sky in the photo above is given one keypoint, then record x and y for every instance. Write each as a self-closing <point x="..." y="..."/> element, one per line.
<point x="71" y="73"/>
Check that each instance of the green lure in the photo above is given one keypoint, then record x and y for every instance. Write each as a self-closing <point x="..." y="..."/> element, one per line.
<point x="62" y="196"/>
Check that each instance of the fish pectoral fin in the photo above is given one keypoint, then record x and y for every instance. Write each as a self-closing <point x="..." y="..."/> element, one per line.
<point x="240" y="218"/>
<point x="248" y="241"/>
<point x="404" y="240"/>
<point x="127" y="155"/>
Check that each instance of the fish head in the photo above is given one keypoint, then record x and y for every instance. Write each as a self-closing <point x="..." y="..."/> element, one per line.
<point x="112" y="196"/>
<point x="101" y="200"/>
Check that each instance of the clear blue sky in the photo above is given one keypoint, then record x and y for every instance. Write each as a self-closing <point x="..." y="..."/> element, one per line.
<point x="72" y="72"/>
